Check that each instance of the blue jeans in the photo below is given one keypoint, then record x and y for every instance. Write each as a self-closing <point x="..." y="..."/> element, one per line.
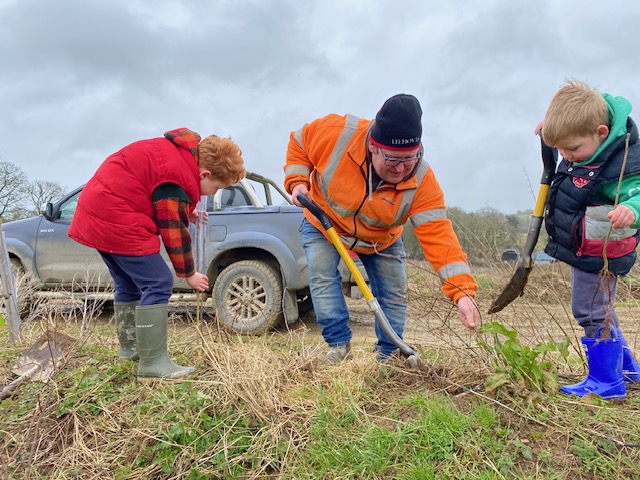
<point x="147" y="278"/>
<point x="387" y="279"/>
<point x="592" y="300"/>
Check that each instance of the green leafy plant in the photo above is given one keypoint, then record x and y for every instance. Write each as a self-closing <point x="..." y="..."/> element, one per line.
<point x="520" y="368"/>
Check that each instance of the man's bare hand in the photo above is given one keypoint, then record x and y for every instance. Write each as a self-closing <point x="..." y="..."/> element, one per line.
<point x="302" y="189"/>
<point x="469" y="312"/>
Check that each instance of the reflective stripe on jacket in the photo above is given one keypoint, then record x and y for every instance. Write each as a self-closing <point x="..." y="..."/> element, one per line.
<point x="329" y="155"/>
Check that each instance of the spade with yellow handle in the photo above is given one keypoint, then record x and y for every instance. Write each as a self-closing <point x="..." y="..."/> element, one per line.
<point x="516" y="285"/>
<point x="411" y="354"/>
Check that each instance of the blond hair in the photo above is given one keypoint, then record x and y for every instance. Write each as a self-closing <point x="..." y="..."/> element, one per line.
<point x="222" y="157"/>
<point x="575" y="110"/>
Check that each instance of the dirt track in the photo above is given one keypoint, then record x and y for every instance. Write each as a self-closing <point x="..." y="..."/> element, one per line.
<point x="434" y="323"/>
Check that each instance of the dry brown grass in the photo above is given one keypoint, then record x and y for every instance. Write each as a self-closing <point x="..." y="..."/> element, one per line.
<point x="542" y="314"/>
<point x="89" y="421"/>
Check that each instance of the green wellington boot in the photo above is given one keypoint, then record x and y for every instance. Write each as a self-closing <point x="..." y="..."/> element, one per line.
<point x="125" y="315"/>
<point x="151" y="332"/>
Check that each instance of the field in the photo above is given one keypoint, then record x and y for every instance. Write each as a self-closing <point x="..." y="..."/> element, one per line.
<point x="268" y="408"/>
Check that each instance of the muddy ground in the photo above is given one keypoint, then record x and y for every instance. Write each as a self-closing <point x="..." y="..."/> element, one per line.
<point x="432" y="322"/>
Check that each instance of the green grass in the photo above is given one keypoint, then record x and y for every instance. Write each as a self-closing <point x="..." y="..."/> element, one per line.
<point x="354" y="421"/>
<point x="358" y="445"/>
<point x="264" y="408"/>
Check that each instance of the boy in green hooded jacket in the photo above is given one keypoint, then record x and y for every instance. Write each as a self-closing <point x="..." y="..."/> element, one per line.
<point x="592" y="218"/>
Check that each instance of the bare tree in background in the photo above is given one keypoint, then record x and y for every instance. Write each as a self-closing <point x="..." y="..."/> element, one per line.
<point x="40" y="192"/>
<point x="13" y="190"/>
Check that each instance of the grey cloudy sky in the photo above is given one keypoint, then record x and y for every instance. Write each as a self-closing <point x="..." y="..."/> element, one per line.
<point x="82" y="78"/>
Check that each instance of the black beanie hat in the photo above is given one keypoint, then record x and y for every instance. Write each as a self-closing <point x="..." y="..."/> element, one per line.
<point x="398" y="124"/>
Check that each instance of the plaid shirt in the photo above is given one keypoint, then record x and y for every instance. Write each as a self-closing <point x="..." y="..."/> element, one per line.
<point x="171" y="207"/>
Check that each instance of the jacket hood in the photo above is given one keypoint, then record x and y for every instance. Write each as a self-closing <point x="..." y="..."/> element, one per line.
<point x="185" y="138"/>
<point x="619" y="110"/>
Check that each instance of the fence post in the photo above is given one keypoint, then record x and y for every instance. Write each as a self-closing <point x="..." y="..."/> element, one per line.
<point x="199" y="251"/>
<point x="201" y="233"/>
<point x="9" y="292"/>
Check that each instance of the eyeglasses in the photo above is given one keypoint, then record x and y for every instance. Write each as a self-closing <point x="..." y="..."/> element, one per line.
<point x="405" y="161"/>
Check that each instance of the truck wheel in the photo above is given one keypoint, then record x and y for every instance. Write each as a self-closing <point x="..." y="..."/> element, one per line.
<point x="248" y="297"/>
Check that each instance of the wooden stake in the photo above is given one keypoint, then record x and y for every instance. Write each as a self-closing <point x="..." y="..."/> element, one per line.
<point x="9" y="292"/>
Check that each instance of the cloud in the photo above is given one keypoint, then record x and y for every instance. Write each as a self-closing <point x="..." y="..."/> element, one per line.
<point x="82" y="79"/>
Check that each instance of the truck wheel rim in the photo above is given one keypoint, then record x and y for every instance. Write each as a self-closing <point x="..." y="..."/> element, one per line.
<point x="246" y="298"/>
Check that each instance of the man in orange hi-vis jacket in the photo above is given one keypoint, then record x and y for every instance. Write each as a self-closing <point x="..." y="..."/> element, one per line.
<point x="370" y="178"/>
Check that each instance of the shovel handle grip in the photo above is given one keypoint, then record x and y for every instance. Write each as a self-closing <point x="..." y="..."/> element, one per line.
<point x="316" y="210"/>
<point x="549" y="161"/>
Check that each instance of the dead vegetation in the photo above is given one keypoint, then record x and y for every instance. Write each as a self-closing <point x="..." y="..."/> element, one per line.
<point x="256" y="403"/>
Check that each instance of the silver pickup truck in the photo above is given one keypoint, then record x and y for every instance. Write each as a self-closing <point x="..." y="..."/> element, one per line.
<point x="253" y="255"/>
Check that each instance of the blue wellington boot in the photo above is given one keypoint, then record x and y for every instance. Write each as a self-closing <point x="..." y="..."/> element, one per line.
<point x="630" y="367"/>
<point x="604" y="359"/>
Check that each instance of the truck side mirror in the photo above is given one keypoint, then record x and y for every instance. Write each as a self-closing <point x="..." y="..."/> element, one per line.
<point x="48" y="211"/>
